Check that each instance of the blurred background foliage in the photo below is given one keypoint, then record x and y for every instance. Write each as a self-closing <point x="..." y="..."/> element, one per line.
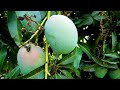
<point x="96" y="56"/>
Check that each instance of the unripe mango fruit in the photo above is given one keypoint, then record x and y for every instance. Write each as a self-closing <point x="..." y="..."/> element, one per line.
<point x="30" y="58"/>
<point x="61" y="34"/>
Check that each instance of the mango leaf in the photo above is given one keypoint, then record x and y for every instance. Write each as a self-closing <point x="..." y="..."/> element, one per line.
<point x="89" y="68"/>
<point x="112" y="55"/>
<point x="3" y="54"/>
<point x="100" y="72"/>
<point x="114" y="74"/>
<point x="60" y="76"/>
<point x="86" y="50"/>
<point x="114" y="41"/>
<point x="14" y="27"/>
<point x="35" y="74"/>
<point x="104" y="64"/>
<point x="98" y="17"/>
<point x="88" y="20"/>
<point x="75" y="57"/>
<point x="39" y="75"/>
<point x="67" y="74"/>
<point x="94" y="13"/>
<point x="111" y="61"/>
<point x="77" y="60"/>
<point x="70" y="66"/>
<point x="57" y="76"/>
<point x="13" y="73"/>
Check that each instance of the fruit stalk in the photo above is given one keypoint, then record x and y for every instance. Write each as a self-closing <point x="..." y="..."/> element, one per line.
<point x="46" y="64"/>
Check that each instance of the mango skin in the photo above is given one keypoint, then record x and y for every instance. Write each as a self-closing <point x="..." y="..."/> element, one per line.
<point x="31" y="60"/>
<point x="61" y="34"/>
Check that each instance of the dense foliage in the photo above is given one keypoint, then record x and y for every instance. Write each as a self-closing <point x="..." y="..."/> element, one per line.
<point x="97" y="54"/>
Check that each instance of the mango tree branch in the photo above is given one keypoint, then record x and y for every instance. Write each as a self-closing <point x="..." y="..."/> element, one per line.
<point x="39" y="28"/>
<point x="46" y="64"/>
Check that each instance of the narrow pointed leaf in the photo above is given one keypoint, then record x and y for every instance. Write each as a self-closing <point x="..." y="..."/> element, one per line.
<point x="78" y="58"/>
<point x="104" y="64"/>
<point x="14" y="27"/>
<point x="70" y="66"/>
<point x="39" y="75"/>
<point x="86" y="50"/>
<point x="89" y="68"/>
<point x="112" y="61"/>
<point x="112" y="55"/>
<point x="13" y="73"/>
<point x="3" y="54"/>
<point x="114" y="40"/>
<point x="67" y="74"/>
<point x="36" y="73"/>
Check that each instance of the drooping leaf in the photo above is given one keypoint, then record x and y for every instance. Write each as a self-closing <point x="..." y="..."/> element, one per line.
<point x="36" y="73"/>
<point x="13" y="73"/>
<point x="94" y="13"/>
<point x="98" y="17"/>
<point x="114" y="74"/>
<point x="39" y="75"/>
<point x="100" y="72"/>
<point x="75" y="57"/>
<point x="104" y="64"/>
<point x="67" y="74"/>
<point x="86" y="50"/>
<point x="3" y="54"/>
<point x="70" y="66"/>
<point x="67" y="59"/>
<point x="111" y="61"/>
<point x="77" y="60"/>
<point x="14" y="27"/>
<point x="114" y="41"/>
<point x="88" y="20"/>
<point x="89" y="68"/>
<point x="112" y="55"/>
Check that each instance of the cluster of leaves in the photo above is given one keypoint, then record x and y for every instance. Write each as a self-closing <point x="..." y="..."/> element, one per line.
<point x="96" y="56"/>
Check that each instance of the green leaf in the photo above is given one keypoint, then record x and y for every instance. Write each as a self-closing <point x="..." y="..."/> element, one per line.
<point x="112" y="55"/>
<point x="67" y="59"/>
<point x="114" y="41"/>
<point x="70" y="66"/>
<point x="89" y="68"/>
<point x="39" y="75"/>
<point x="111" y="61"/>
<point x="67" y="74"/>
<point x="94" y="13"/>
<point x="88" y="20"/>
<point x="100" y="72"/>
<point x="57" y="76"/>
<point x="75" y="57"/>
<point x="3" y="54"/>
<point x="14" y="27"/>
<point x="86" y="50"/>
<point x="77" y="60"/>
<point x="114" y="74"/>
<point x="98" y="17"/>
<point x="104" y="64"/>
<point x="13" y="73"/>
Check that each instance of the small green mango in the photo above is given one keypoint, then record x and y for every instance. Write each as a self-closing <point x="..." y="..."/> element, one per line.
<point x="30" y="58"/>
<point x="61" y="34"/>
